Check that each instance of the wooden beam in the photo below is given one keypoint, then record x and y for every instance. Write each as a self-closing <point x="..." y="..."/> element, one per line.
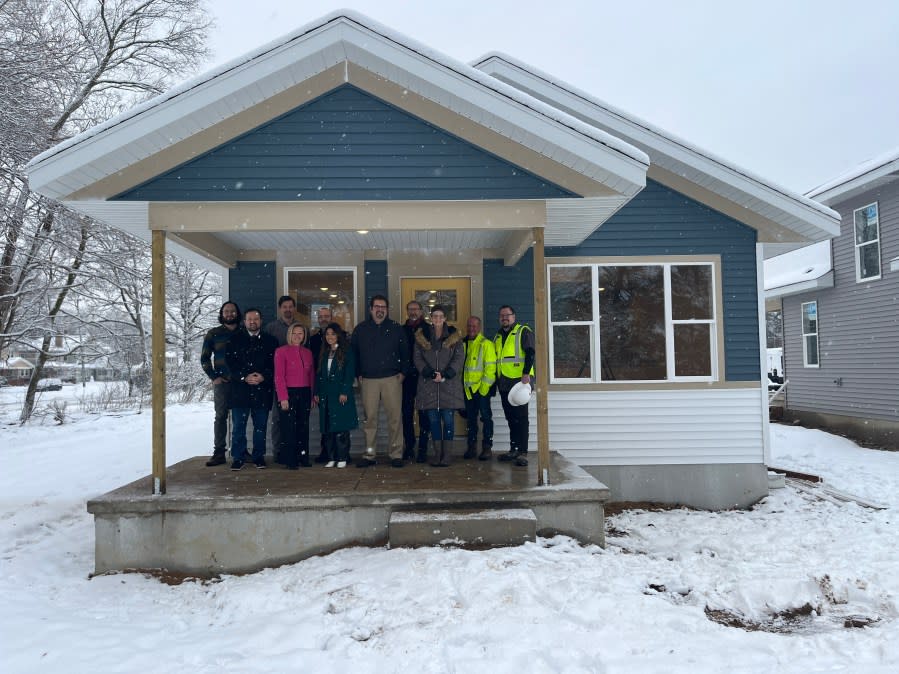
<point x="158" y="361"/>
<point x="541" y="366"/>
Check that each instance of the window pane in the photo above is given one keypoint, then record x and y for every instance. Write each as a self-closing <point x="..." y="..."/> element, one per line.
<point x="809" y="318"/>
<point x="691" y="291"/>
<point x="869" y="260"/>
<point x="571" y="352"/>
<point x="446" y="297"/>
<point x="315" y="289"/>
<point x="866" y="224"/>
<point x="571" y="296"/>
<point x="811" y="350"/>
<point x="632" y="323"/>
<point x="692" y="350"/>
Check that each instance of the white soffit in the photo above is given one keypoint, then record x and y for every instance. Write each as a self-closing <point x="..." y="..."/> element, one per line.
<point x="570" y="221"/>
<point x="341" y="37"/>
<point x="342" y="241"/>
<point x="807" y="218"/>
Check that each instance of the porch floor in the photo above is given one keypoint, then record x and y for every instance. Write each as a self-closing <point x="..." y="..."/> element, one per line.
<point x="213" y="520"/>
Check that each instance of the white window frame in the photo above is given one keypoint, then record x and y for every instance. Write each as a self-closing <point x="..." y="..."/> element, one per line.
<point x="866" y="244"/>
<point x="670" y="322"/>
<point x="805" y="334"/>
<point x="348" y="268"/>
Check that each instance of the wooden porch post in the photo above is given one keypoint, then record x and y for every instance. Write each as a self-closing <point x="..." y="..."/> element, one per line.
<point x="158" y="361"/>
<point x="541" y="366"/>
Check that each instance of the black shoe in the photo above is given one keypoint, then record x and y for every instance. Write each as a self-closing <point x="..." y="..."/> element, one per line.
<point x="396" y="463"/>
<point x="292" y="467"/>
<point x="486" y="454"/>
<point x="364" y="462"/>
<point x="304" y="460"/>
<point x="216" y="460"/>
<point x="511" y="455"/>
<point x="422" y="456"/>
<point x="408" y="454"/>
<point x="260" y="463"/>
<point x="471" y="452"/>
<point x="521" y="459"/>
<point x="236" y="464"/>
<point x="322" y="457"/>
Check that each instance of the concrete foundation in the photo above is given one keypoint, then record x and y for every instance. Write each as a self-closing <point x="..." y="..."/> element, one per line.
<point x="706" y="487"/>
<point x="464" y="528"/>
<point x="874" y="433"/>
<point x="213" y="521"/>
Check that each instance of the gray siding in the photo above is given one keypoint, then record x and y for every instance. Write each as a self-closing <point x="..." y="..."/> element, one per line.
<point x="345" y="145"/>
<point x="660" y="221"/>
<point x="858" y="327"/>
<point x="252" y="284"/>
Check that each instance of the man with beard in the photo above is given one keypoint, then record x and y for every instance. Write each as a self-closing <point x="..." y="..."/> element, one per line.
<point x="214" y="364"/>
<point x="410" y="388"/>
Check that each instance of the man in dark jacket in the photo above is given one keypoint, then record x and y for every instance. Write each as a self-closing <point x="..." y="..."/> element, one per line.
<point x="251" y="359"/>
<point x="410" y="387"/>
<point x="382" y="361"/>
<point x="214" y="364"/>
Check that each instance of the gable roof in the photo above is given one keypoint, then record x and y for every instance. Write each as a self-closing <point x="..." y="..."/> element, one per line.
<point x="867" y="175"/>
<point x="779" y="215"/>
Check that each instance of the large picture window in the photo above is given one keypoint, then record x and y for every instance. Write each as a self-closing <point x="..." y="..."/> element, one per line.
<point x="867" y="243"/>
<point x="314" y="288"/>
<point x="810" y="334"/>
<point x="633" y="322"/>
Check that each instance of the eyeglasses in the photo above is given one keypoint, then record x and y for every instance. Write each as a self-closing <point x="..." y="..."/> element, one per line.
<point x="506" y="315"/>
<point x="378" y="306"/>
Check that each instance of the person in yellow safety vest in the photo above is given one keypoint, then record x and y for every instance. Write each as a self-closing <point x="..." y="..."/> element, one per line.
<point x="515" y="351"/>
<point x="478" y="380"/>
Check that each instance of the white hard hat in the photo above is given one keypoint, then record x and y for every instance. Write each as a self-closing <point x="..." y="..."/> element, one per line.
<point x="520" y="394"/>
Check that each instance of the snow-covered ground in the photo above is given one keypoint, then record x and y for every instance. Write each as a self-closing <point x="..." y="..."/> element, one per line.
<point x="641" y="605"/>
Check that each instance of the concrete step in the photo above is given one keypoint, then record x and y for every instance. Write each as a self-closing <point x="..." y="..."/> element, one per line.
<point x="492" y="528"/>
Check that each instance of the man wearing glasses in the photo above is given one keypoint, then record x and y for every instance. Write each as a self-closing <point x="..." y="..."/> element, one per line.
<point x="514" y="363"/>
<point x="382" y="360"/>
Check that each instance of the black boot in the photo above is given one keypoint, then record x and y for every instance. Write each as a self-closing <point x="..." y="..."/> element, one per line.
<point x="472" y="450"/>
<point x="408" y="453"/>
<point x="486" y="453"/>
<point x="218" y="458"/>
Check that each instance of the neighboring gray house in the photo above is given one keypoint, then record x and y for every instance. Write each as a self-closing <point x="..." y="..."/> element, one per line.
<point x="841" y="315"/>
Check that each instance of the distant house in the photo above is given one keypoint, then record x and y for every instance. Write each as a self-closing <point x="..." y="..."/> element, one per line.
<point x="840" y="303"/>
<point x="346" y="160"/>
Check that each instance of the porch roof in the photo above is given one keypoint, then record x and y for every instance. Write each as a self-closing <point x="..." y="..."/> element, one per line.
<point x="88" y="170"/>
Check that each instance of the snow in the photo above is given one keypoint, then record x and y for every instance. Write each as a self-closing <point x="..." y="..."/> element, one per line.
<point x="803" y="264"/>
<point x="638" y="606"/>
<point x="869" y="166"/>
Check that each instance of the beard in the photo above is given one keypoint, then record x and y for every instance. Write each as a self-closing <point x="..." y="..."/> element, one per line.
<point x="230" y="321"/>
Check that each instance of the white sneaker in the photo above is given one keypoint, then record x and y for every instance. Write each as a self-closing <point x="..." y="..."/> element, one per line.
<point x="330" y="464"/>
<point x="341" y="464"/>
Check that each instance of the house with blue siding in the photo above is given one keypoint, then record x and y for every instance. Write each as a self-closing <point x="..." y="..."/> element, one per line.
<point x="346" y="160"/>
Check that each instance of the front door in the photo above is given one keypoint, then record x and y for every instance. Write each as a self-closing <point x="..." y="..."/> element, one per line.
<point x="454" y="294"/>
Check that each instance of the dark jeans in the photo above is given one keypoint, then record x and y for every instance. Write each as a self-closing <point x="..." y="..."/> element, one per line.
<point x="295" y="427"/>
<point x="517" y="418"/>
<point x="221" y="399"/>
<point x="338" y="445"/>
<point x="444" y="417"/>
<point x="479" y="406"/>
<point x="239" y="416"/>
<point x="410" y="388"/>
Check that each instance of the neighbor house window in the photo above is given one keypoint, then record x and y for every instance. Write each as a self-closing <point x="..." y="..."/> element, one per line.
<point x="633" y="322"/>
<point x="867" y="243"/>
<point x="810" y="334"/>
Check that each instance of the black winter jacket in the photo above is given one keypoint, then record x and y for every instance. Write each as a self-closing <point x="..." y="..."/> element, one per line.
<point x="380" y="350"/>
<point x="248" y="354"/>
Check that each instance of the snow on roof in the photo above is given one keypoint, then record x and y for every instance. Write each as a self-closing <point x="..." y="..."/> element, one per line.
<point x="364" y="22"/>
<point x="859" y="177"/>
<point x="656" y="131"/>
<point x="804" y="264"/>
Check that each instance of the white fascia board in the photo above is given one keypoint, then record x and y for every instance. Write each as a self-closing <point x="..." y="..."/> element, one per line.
<point x="866" y="176"/>
<point x="824" y="281"/>
<point x="192" y="106"/>
<point x="668" y="151"/>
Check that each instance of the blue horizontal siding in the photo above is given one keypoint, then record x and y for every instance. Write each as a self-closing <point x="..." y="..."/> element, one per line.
<point x="661" y="221"/>
<point x="508" y="285"/>
<point x="253" y="284"/>
<point x="376" y="284"/>
<point x="345" y="145"/>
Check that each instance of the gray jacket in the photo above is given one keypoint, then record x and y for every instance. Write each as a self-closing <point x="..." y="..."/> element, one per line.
<point x="447" y="356"/>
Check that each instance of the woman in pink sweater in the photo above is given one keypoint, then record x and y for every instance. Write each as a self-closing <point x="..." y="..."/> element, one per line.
<point x="294" y="376"/>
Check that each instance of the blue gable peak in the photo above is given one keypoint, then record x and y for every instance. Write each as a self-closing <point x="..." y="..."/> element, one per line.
<point x="346" y="145"/>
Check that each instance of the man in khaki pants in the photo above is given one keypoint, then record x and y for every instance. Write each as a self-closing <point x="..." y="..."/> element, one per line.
<point x="382" y="360"/>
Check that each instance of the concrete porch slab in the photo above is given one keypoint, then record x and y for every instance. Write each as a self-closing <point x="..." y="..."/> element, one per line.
<point x="213" y="520"/>
<point x="493" y="528"/>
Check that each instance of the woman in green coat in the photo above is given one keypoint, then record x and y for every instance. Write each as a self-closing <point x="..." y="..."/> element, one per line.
<point x="334" y="395"/>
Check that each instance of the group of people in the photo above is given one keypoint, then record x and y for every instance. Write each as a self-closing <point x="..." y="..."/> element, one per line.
<point x="420" y="367"/>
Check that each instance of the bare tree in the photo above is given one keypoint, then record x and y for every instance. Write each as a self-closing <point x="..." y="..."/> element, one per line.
<point x="66" y="65"/>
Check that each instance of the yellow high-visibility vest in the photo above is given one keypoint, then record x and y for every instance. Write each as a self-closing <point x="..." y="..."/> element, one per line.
<point x="480" y="366"/>
<point x="510" y="357"/>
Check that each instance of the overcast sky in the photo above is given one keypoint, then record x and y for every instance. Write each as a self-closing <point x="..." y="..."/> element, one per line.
<point x="796" y="91"/>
